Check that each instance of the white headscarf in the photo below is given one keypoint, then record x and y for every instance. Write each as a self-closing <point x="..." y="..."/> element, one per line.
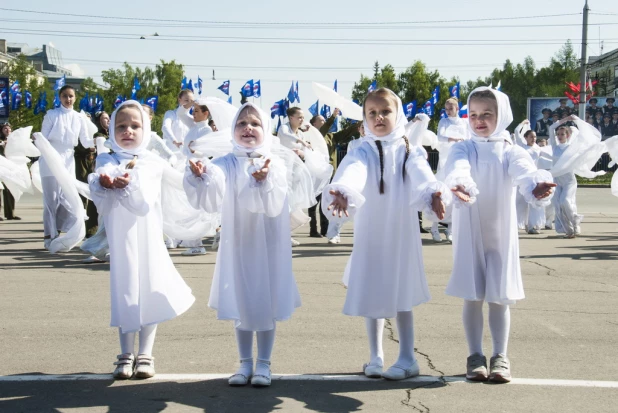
<point x="142" y="148"/>
<point x="264" y="148"/>
<point x="400" y="124"/>
<point x="504" y="117"/>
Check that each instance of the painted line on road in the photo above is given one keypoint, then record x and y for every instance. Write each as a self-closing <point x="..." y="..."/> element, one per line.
<point x="307" y="377"/>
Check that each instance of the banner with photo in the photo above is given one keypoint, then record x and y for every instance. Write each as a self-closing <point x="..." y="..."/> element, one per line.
<point x="553" y="105"/>
<point x="4" y="97"/>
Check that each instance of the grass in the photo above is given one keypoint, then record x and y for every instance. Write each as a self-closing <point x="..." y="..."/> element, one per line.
<point x="599" y="180"/>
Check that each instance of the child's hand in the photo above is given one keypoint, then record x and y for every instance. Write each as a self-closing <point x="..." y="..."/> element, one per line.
<point x="437" y="205"/>
<point x="299" y="153"/>
<point x="526" y="122"/>
<point x="197" y="167"/>
<point x="262" y="173"/>
<point x="121" y="182"/>
<point x="339" y="206"/>
<point x="460" y="192"/>
<point x="106" y="181"/>
<point x="178" y="144"/>
<point x="543" y="190"/>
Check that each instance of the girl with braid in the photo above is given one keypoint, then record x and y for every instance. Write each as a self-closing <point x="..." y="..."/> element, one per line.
<point x="382" y="184"/>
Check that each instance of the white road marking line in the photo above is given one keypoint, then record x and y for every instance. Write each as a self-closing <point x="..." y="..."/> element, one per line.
<point x="307" y="377"/>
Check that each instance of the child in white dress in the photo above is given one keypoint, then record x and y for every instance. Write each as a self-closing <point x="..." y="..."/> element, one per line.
<point x="253" y="282"/>
<point x="145" y="287"/>
<point x="382" y="184"/>
<point x="482" y="172"/>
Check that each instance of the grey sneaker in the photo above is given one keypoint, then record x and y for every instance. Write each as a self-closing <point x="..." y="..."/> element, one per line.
<point x="476" y="367"/>
<point x="499" y="369"/>
<point x="124" y="366"/>
<point x="144" y="366"/>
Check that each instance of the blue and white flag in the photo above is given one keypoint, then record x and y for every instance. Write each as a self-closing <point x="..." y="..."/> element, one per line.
<point x="435" y="95"/>
<point x="28" y="100"/>
<point x="15" y="87"/>
<point x="410" y="109"/>
<point x="293" y="93"/>
<point x="183" y="83"/>
<point x="247" y="89"/>
<point x="225" y="87"/>
<point x="278" y="109"/>
<point x="325" y="111"/>
<point x="257" y="89"/>
<point x="153" y="101"/>
<point x="57" y="102"/>
<point x="60" y="82"/>
<point x="118" y="101"/>
<point x="83" y="102"/>
<point x="229" y="100"/>
<point x="463" y="112"/>
<point x="190" y="85"/>
<point x="453" y="91"/>
<point x="373" y="86"/>
<point x="443" y="114"/>
<point x="314" y="109"/>
<point x="499" y="87"/>
<point x="296" y="93"/>
<point x="136" y="87"/>
<point x="16" y="101"/>
<point x="335" y="85"/>
<point x="98" y="104"/>
<point x="199" y="85"/>
<point x="428" y="108"/>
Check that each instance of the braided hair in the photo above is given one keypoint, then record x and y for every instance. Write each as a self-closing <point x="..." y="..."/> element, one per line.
<point x="381" y="156"/>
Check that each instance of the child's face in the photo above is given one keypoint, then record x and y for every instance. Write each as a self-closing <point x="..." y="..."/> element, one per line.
<point x="531" y="138"/>
<point x="198" y="114"/>
<point x="6" y="130"/>
<point x="104" y="120"/>
<point x="67" y="98"/>
<point x="361" y="130"/>
<point x="381" y="115"/>
<point x="483" y="116"/>
<point x="128" y="130"/>
<point x="542" y="143"/>
<point x="451" y="109"/>
<point x="186" y="100"/>
<point x="297" y="119"/>
<point x="248" y="131"/>
<point x="562" y="134"/>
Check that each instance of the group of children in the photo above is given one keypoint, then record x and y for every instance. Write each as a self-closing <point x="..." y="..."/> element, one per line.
<point x="381" y="184"/>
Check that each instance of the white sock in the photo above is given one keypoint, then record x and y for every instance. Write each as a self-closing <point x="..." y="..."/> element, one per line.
<point x="146" y="339"/>
<point x="244" y="341"/>
<point x="405" y="329"/>
<point x="499" y="325"/>
<point x="473" y="325"/>
<point x="265" y="344"/>
<point x="127" y="342"/>
<point x="375" y="330"/>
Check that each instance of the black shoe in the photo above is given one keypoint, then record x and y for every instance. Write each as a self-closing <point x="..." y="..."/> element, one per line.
<point x="316" y="235"/>
<point x="16" y="218"/>
<point x="424" y="231"/>
<point x="1" y="219"/>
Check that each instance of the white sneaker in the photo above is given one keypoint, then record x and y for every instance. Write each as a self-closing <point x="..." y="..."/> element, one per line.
<point x="436" y="235"/>
<point x="124" y="366"/>
<point x="107" y="257"/>
<point x="534" y="231"/>
<point x="170" y="244"/>
<point x="144" y="366"/>
<point x="333" y="240"/>
<point x="91" y="260"/>
<point x="195" y="251"/>
<point x="578" y="230"/>
<point x="216" y="240"/>
<point x="449" y="235"/>
<point x="47" y="243"/>
<point x="295" y="243"/>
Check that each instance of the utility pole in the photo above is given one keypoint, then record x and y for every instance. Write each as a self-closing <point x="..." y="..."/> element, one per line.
<point x="582" y="73"/>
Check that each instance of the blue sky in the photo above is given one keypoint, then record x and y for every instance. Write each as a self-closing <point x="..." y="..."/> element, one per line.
<point x="460" y="46"/>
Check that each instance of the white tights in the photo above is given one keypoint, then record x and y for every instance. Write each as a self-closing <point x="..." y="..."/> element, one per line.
<point x="405" y="329"/>
<point x="265" y="344"/>
<point x="146" y="340"/>
<point x="499" y="325"/>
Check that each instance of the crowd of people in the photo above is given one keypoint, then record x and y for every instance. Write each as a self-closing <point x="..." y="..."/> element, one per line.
<point x="221" y="172"/>
<point x="604" y="119"/>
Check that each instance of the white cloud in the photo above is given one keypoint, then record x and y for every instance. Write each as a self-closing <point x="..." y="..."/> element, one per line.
<point x="76" y="69"/>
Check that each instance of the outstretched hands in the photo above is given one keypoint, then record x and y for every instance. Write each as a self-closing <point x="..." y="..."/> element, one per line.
<point x="460" y="192"/>
<point x="197" y="168"/>
<point x="543" y="190"/>
<point x="339" y="206"/>
<point x="118" y="182"/>
<point x="261" y="174"/>
<point x="437" y="205"/>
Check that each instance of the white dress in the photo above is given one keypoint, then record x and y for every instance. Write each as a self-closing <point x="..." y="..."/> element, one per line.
<point x="175" y="128"/>
<point x="385" y="272"/>
<point x="253" y="282"/>
<point x="485" y="244"/>
<point x="528" y="216"/>
<point x="145" y="286"/>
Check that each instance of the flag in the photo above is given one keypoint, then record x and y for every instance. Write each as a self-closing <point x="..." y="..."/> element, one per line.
<point x="453" y="91"/>
<point x="90" y="108"/>
<point x="190" y="85"/>
<point x="15" y="87"/>
<point x="44" y="102"/>
<point x="410" y="109"/>
<point x="118" y="101"/>
<point x="16" y="100"/>
<point x="373" y="86"/>
<point x="443" y="114"/>
<point x="314" y="109"/>
<point x="229" y="100"/>
<point x="183" y="83"/>
<point x="153" y="101"/>
<point x="463" y="112"/>
<point x="98" y="104"/>
<point x="199" y="85"/>
<point x="335" y="86"/>
<point x="292" y="94"/>
<point x="435" y="95"/>
<point x="428" y="108"/>
<point x="325" y="112"/>
<point x="28" y="100"/>
<point x="57" y="102"/>
<point x="278" y="109"/>
<point x="83" y="102"/>
<point x="499" y="88"/>
<point x="336" y="125"/>
<point x="257" y="89"/>
<point x="296" y="93"/>
<point x="247" y="89"/>
<point x="278" y="126"/>
<point x="225" y="87"/>
<point x="60" y="83"/>
<point x="136" y="87"/>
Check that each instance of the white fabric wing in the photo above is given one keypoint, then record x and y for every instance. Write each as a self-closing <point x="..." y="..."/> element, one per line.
<point x="333" y="99"/>
<point x="583" y="152"/>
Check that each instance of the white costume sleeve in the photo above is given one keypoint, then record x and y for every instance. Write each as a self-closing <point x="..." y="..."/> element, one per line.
<point x="106" y="199"/>
<point x="525" y="174"/>
<point x="168" y="132"/>
<point x="350" y="181"/>
<point x="48" y="124"/>
<point x="552" y="133"/>
<point x="520" y="130"/>
<point x="268" y="196"/>
<point x="185" y="117"/>
<point x="442" y="125"/>
<point x="287" y="137"/>
<point x="583" y="152"/>
<point x="156" y="143"/>
<point x="458" y="172"/>
<point x="206" y="192"/>
<point x="423" y="184"/>
<point x="86" y="131"/>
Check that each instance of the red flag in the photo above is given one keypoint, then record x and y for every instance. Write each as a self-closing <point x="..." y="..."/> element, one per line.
<point x="573" y="98"/>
